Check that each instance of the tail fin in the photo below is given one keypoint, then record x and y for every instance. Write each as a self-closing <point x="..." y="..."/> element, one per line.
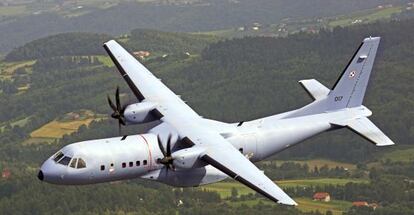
<point x="349" y="90"/>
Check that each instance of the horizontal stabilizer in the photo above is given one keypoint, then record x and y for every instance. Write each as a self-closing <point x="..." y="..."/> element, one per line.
<point x="365" y="128"/>
<point x="315" y="89"/>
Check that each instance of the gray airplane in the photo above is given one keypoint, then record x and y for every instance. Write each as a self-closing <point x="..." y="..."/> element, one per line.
<point x="185" y="149"/>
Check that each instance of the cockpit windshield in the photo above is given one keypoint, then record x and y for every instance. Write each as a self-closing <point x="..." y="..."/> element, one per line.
<point x="65" y="160"/>
<point x="77" y="163"/>
<point x="58" y="156"/>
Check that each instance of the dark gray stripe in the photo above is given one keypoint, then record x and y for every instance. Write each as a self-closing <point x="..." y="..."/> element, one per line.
<point x="232" y="174"/>
<point x="131" y="84"/>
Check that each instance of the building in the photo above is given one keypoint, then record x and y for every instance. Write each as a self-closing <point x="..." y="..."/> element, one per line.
<point x="6" y="174"/>
<point x="360" y="204"/>
<point x="142" y="54"/>
<point x="325" y="197"/>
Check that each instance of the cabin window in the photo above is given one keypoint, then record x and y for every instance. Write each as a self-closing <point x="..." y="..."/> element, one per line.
<point x="137" y="163"/>
<point x="102" y="167"/>
<point x="131" y="164"/>
<point x="241" y="150"/>
<point x="73" y="163"/>
<point x="65" y="160"/>
<point x="58" y="156"/>
<point x="123" y="165"/>
<point x="144" y="162"/>
<point x="112" y="164"/>
<point x="81" y="163"/>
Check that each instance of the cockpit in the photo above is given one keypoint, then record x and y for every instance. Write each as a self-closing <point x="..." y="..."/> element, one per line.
<point x="76" y="163"/>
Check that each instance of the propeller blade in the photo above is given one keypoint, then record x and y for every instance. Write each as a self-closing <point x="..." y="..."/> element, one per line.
<point x="169" y="146"/>
<point x="160" y="145"/>
<point x="111" y="104"/>
<point x="117" y="100"/>
<point x="119" y="129"/>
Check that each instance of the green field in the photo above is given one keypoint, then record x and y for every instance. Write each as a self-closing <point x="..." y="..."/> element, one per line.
<point x="337" y="207"/>
<point x="366" y="16"/>
<point x="319" y="163"/>
<point x="224" y="188"/>
<point x="13" y="10"/>
<point x="400" y="154"/>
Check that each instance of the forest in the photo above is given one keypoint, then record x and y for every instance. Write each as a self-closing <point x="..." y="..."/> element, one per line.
<point x="230" y="80"/>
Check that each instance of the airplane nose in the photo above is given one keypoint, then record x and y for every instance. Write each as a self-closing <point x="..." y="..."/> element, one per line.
<point x="40" y="175"/>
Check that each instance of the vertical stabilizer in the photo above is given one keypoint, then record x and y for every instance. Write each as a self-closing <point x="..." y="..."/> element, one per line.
<point x="350" y="88"/>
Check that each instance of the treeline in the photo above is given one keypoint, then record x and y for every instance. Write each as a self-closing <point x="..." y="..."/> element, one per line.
<point x="66" y="44"/>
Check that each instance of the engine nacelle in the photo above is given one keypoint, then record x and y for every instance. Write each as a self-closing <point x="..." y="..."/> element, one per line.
<point x="139" y="113"/>
<point x="188" y="158"/>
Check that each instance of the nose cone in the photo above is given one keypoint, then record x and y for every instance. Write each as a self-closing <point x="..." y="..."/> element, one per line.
<point x="40" y="175"/>
<point x="52" y="172"/>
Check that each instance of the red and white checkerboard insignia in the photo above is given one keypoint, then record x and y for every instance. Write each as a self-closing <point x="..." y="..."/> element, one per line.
<point x="352" y="74"/>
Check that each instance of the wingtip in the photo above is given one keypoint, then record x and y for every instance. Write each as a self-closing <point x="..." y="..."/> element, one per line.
<point x="370" y="39"/>
<point x="109" y="42"/>
<point x="289" y="202"/>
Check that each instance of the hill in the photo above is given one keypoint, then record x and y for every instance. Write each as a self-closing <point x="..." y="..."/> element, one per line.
<point x="206" y="15"/>
<point x="231" y="80"/>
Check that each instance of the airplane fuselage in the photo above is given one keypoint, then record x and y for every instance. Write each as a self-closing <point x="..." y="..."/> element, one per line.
<point x="137" y="156"/>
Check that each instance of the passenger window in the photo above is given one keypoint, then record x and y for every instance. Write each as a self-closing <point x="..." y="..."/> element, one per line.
<point x="144" y="162"/>
<point x="131" y="164"/>
<point x="102" y="167"/>
<point x="65" y="160"/>
<point x="58" y="156"/>
<point x="81" y="163"/>
<point x="137" y="163"/>
<point x="112" y="164"/>
<point x="73" y="163"/>
<point x="241" y="150"/>
<point x="123" y="165"/>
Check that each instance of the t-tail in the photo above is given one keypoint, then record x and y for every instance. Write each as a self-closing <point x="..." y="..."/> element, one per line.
<point x="348" y="93"/>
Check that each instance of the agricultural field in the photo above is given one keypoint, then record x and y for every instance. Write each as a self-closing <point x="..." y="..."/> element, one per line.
<point x="66" y="125"/>
<point x="318" y="163"/>
<point x="224" y="188"/>
<point x="367" y="16"/>
<point x="337" y="207"/>
<point x="401" y="154"/>
<point x="7" y="69"/>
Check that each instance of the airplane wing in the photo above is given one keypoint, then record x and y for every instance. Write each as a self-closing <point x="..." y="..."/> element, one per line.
<point x="191" y="127"/>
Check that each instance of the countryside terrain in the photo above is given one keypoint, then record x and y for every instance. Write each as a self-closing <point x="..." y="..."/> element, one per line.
<point x="53" y="92"/>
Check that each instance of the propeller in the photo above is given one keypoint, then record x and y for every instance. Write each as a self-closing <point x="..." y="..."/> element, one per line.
<point x="167" y="160"/>
<point x="118" y="110"/>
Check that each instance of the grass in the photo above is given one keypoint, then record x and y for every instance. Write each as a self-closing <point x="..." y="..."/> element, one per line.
<point x="13" y="10"/>
<point x="400" y="154"/>
<point x="105" y="60"/>
<point x="66" y="125"/>
<point x="224" y="188"/>
<point x="320" y="163"/>
<point x="366" y="16"/>
<point x="7" y="69"/>
<point x="337" y="207"/>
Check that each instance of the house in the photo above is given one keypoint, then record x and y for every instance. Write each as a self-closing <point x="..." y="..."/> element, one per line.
<point x="6" y="174"/>
<point x="142" y="54"/>
<point x="360" y="204"/>
<point x="322" y="197"/>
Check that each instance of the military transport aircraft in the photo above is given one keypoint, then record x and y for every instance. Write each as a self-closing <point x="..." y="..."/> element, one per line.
<point x="185" y="149"/>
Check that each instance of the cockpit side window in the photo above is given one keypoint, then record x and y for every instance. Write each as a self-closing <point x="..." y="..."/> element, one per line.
<point x="58" y="156"/>
<point x="65" y="160"/>
<point x="81" y="164"/>
<point x="73" y="163"/>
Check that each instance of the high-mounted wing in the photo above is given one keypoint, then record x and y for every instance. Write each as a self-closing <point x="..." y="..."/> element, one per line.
<point x="191" y="127"/>
<point x="143" y="83"/>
